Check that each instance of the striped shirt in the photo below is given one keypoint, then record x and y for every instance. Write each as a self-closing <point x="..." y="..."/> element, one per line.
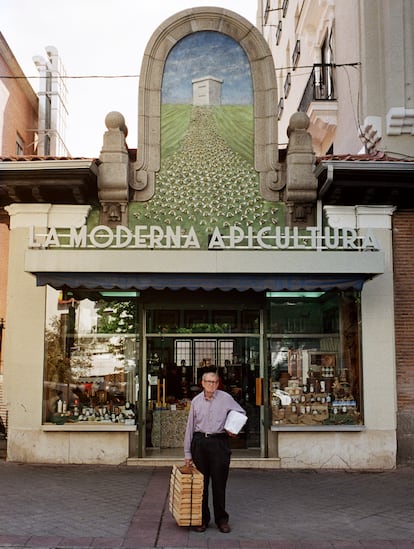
<point x="208" y="416"/>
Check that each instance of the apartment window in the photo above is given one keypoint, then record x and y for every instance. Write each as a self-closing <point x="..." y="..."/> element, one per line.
<point x="266" y="13"/>
<point x="19" y="145"/>
<point x="296" y="54"/>
<point x="280" y="108"/>
<point x="287" y="85"/>
<point x="278" y="32"/>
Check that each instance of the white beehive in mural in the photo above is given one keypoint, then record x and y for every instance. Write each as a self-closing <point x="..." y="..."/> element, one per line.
<point x="207" y="91"/>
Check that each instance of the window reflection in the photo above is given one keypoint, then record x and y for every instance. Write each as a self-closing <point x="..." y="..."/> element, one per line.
<point x="314" y="358"/>
<point x="91" y="357"/>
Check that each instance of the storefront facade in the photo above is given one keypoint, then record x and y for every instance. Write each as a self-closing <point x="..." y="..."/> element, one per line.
<point x="207" y="252"/>
<point x="318" y="337"/>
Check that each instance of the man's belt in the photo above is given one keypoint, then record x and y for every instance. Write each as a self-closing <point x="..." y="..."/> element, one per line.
<point x="210" y="435"/>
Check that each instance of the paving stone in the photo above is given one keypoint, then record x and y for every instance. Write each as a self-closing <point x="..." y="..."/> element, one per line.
<point x="56" y="506"/>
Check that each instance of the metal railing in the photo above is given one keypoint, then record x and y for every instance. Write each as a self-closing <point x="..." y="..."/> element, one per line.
<point x="320" y="86"/>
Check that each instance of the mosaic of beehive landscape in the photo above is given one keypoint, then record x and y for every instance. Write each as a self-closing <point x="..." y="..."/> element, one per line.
<point x="207" y="178"/>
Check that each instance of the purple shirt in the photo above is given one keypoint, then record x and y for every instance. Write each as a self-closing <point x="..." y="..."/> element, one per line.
<point x="208" y="416"/>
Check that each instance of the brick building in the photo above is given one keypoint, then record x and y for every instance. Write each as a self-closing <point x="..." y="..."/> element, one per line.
<point x="403" y="230"/>
<point x="18" y="107"/>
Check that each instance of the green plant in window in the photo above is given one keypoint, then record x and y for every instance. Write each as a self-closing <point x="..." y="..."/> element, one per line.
<point x="116" y="317"/>
<point x="57" y="363"/>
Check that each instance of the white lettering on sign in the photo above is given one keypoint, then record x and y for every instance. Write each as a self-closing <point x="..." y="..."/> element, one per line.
<point x="233" y="238"/>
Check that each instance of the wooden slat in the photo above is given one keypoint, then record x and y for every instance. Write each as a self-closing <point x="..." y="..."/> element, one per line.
<point x="186" y="496"/>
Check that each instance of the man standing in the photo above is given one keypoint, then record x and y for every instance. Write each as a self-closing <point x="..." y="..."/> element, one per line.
<point x="206" y="443"/>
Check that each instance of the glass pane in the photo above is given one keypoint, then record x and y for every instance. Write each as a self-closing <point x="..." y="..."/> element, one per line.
<point x="202" y="321"/>
<point x="91" y="359"/>
<point x="205" y="356"/>
<point x="183" y="352"/>
<point x="175" y="368"/>
<point x="314" y="358"/>
<point x="226" y="353"/>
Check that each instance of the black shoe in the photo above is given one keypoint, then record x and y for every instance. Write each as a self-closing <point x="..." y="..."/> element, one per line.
<point x="201" y="528"/>
<point x="224" y="527"/>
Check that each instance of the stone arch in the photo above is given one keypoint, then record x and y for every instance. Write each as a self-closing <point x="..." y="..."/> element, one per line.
<point x="166" y="36"/>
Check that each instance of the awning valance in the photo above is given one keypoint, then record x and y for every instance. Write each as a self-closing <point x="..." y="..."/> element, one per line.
<point x="195" y="281"/>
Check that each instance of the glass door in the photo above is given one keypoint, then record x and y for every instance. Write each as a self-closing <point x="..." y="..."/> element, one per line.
<point x="182" y="344"/>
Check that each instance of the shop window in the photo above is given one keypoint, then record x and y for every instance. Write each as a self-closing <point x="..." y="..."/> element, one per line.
<point x="314" y="358"/>
<point x="90" y="358"/>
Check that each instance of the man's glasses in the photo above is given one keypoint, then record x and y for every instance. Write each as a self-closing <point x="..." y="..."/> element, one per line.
<point x="210" y="381"/>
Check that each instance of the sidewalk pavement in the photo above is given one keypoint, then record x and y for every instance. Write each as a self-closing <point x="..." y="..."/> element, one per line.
<point x="78" y="506"/>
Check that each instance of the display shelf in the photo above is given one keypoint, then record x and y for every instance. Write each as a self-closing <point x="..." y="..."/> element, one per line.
<point x="86" y="426"/>
<point x="321" y="428"/>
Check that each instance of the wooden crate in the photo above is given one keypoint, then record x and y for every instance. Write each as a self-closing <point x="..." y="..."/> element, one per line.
<point x="186" y="495"/>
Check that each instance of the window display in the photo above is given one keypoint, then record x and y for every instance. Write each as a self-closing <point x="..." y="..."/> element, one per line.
<point x="314" y="358"/>
<point x="91" y="358"/>
<point x="303" y="348"/>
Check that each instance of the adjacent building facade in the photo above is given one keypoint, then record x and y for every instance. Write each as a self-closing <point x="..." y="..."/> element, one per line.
<point x="349" y="66"/>
<point x="18" y="120"/>
<point x="29" y="126"/>
<point x="208" y="248"/>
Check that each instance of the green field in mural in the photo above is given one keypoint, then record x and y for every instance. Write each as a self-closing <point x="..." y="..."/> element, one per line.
<point x="175" y="120"/>
<point x="234" y="123"/>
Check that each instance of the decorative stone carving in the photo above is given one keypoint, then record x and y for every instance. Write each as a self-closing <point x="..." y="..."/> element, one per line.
<point x="301" y="183"/>
<point x="113" y="175"/>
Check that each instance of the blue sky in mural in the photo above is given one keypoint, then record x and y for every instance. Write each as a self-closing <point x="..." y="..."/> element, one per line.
<point x="202" y="54"/>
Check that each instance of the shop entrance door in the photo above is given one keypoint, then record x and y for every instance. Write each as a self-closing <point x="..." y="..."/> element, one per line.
<point x="182" y="344"/>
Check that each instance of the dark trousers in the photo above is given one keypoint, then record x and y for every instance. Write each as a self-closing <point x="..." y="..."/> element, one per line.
<point x="211" y="456"/>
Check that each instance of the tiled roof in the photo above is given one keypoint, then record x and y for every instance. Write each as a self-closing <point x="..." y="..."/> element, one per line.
<point x="36" y="158"/>
<point x="377" y="157"/>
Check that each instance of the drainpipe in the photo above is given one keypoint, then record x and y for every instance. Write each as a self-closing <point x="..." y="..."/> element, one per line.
<point x="328" y="180"/>
<point x="319" y="213"/>
<point x="319" y="209"/>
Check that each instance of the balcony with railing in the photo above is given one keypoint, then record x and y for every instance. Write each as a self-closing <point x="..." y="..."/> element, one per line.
<point x="320" y="86"/>
<point x="320" y="104"/>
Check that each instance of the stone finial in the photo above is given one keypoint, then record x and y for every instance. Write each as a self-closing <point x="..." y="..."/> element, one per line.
<point x="113" y="176"/>
<point x="115" y="121"/>
<point x="298" y="121"/>
<point x="301" y="183"/>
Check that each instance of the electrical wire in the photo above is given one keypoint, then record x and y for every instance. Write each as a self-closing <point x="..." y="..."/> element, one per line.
<point x="75" y="77"/>
<point x="114" y="76"/>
